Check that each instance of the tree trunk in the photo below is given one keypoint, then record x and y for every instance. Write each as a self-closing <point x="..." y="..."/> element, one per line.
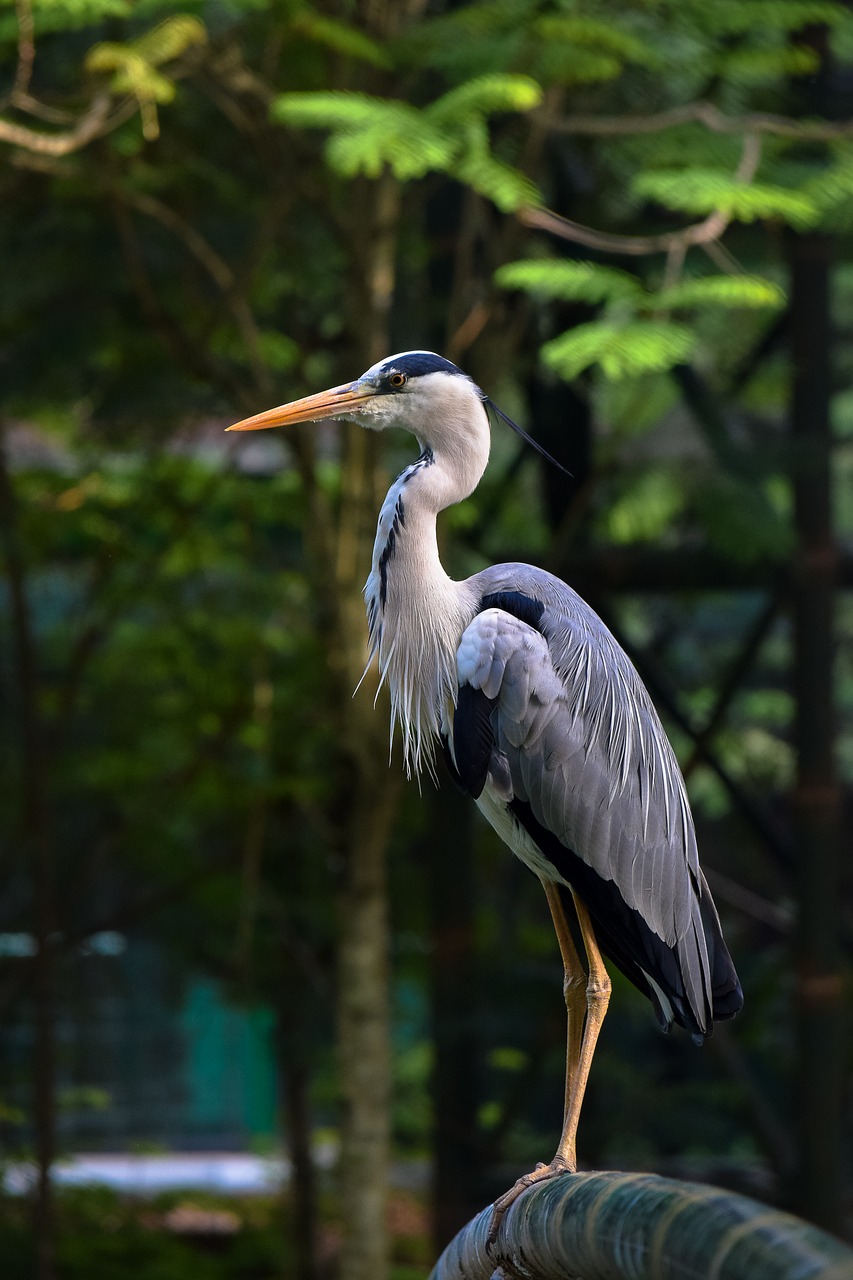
<point x="35" y="841"/>
<point x="819" y="1009"/>
<point x="364" y="1039"/>
<point x="457" y="1169"/>
<point x="369" y="790"/>
<point x="295" y="1102"/>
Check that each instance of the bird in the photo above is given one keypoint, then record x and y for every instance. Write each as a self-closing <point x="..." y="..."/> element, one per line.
<point x="541" y="718"/>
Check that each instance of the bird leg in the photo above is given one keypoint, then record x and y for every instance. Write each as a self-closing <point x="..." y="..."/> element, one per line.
<point x="597" y="996"/>
<point x="587" y="997"/>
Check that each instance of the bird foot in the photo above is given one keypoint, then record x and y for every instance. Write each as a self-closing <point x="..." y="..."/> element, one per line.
<point x="541" y="1173"/>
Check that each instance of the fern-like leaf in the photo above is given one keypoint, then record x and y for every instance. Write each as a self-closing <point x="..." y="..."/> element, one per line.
<point x="133" y="65"/>
<point x="702" y="191"/>
<point x="834" y="184"/>
<point x="369" y="134"/>
<point x="340" y="37"/>
<point x="409" y="151"/>
<point x="169" y="39"/>
<point x="758" y="66"/>
<point x="347" y="112"/>
<point x="740" y="17"/>
<point x="571" y="281"/>
<point x="557" y="65"/>
<point x="721" y="291"/>
<point x="621" y="351"/>
<point x="595" y="34"/>
<point x="507" y="188"/>
<point x="71" y="15"/>
<point x="132" y="74"/>
<point x="484" y="96"/>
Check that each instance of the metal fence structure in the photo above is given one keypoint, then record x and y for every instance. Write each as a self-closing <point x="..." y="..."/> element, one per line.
<point x="633" y="1226"/>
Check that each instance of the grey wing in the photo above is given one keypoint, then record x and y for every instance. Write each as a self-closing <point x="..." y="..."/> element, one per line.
<point x="575" y="763"/>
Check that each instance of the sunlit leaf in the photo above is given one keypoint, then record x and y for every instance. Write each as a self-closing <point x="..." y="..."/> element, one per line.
<point x="570" y="281"/>
<point x="621" y="350"/>
<point x="721" y="291"/>
<point x="485" y="96"/>
<point x="704" y="191"/>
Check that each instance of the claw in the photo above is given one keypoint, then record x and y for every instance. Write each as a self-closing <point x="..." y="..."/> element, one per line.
<point x="541" y="1173"/>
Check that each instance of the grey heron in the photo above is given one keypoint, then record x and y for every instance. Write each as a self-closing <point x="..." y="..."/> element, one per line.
<point x="542" y="720"/>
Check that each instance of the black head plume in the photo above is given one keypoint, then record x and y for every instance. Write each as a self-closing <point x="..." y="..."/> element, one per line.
<point x="490" y="404"/>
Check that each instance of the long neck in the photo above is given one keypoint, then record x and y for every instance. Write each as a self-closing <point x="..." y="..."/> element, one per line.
<point x="416" y="612"/>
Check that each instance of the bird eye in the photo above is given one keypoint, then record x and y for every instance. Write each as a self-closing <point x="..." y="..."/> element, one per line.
<point x="397" y="380"/>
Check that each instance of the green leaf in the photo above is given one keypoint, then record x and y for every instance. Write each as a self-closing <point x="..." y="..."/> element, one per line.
<point x="484" y="96"/>
<point x="332" y="110"/>
<point x="647" y="508"/>
<point x="408" y="147"/>
<point x="169" y="39"/>
<point x="69" y="15"/>
<point x="134" y="64"/>
<point x="369" y="134"/>
<point x="589" y="67"/>
<point x="507" y="188"/>
<point x="598" y="35"/>
<point x="622" y="351"/>
<point x="721" y="291"/>
<point x="834" y="185"/>
<point x="571" y="281"/>
<point x="757" y="66"/>
<point x="132" y="74"/>
<point x="704" y="191"/>
<point x="737" y="17"/>
<point x="340" y="37"/>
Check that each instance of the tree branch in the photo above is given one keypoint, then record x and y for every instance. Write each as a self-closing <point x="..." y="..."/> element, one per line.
<point x="218" y="270"/>
<point x="734" y="678"/>
<point x="26" y="49"/>
<point x="704" y="113"/>
<point x="698" y="234"/>
<point x="96" y="121"/>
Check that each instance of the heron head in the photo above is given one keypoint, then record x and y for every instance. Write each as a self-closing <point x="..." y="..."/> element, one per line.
<point x="417" y="390"/>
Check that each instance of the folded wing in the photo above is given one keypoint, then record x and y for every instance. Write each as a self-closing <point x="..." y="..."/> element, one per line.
<point x="556" y="737"/>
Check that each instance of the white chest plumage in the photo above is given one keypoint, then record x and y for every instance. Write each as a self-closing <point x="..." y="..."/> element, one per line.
<point x="416" y="616"/>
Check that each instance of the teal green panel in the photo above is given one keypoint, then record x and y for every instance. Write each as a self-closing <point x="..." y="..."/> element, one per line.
<point x="229" y="1067"/>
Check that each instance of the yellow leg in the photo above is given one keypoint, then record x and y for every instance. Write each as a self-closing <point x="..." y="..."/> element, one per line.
<point x="574" y="994"/>
<point x="587" y="997"/>
<point x="597" y="998"/>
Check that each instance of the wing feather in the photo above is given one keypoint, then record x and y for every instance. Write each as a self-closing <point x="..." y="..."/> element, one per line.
<point x="577" y="743"/>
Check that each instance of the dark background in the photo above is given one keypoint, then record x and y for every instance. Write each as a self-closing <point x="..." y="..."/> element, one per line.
<point x="216" y="889"/>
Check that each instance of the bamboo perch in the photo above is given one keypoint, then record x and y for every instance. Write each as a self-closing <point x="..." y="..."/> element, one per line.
<point x="637" y="1226"/>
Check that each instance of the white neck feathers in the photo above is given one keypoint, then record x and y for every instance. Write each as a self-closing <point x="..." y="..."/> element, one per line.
<point x="416" y="612"/>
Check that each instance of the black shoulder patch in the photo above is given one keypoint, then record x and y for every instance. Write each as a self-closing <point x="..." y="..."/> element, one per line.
<point x="473" y="738"/>
<point x="525" y="608"/>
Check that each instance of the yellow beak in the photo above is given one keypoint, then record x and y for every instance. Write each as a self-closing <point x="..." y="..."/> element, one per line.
<point x="337" y="402"/>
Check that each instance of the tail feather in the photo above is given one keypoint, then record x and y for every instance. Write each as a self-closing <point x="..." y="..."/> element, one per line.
<point x="726" y="991"/>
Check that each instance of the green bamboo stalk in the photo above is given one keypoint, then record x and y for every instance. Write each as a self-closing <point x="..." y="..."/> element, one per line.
<point x="636" y="1226"/>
